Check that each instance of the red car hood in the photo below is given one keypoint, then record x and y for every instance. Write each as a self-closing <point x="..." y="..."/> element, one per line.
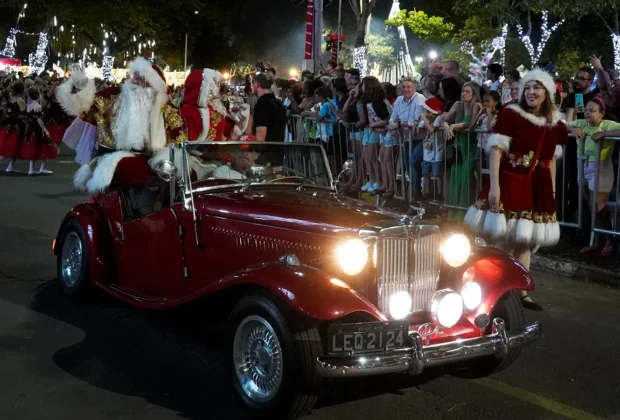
<point x="311" y="210"/>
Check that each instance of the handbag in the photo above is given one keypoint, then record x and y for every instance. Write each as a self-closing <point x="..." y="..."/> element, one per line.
<point x="519" y="186"/>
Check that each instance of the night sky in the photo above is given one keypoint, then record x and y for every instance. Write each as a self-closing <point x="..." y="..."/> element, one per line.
<point x="279" y="30"/>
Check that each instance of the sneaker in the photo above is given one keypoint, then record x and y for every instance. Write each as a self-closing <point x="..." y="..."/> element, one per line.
<point x="373" y="187"/>
<point x="45" y="172"/>
<point x="366" y="187"/>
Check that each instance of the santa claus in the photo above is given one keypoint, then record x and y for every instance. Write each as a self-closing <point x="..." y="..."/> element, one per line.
<point x="122" y="126"/>
<point x="204" y="116"/>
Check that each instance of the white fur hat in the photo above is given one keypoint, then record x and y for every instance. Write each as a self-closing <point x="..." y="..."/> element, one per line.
<point x="542" y="77"/>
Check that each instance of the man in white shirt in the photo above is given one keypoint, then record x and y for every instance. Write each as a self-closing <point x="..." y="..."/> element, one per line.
<point x="244" y="160"/>
<point x="407" y="111"/>
<point x="494" y="72"/>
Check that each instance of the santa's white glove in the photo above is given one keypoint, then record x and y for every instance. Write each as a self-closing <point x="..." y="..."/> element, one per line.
<point x="78" y="77"/>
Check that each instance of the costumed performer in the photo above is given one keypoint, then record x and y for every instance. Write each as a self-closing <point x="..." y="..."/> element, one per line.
<point x="517" y="207"/>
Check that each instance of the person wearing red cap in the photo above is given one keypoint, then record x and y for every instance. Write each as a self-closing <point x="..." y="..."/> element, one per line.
<point x="432" y="145"/>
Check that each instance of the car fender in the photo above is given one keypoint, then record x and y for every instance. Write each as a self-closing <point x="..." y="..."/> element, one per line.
<point x="98" y="240"/>
<point x="498" y="273"/>
<point x="307" y="290"/>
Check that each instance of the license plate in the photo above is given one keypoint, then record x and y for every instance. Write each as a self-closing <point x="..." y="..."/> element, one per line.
<point x="367" y="337"/>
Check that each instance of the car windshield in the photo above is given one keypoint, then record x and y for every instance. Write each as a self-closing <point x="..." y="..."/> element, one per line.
<point x="258" y="163"/>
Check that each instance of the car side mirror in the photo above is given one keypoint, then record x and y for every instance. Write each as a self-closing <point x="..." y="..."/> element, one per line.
<point x="165" y="170"/>
<point x="347" y="166"/>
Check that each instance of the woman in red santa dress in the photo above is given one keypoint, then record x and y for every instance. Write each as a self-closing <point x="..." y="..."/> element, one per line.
<point x="517" y="208"/>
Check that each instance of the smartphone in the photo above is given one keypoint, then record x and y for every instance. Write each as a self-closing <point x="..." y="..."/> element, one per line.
<point x="549" y="67"/>
<point x="579" y="100"/>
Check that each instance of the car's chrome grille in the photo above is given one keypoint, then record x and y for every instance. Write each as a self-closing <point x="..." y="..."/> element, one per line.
<point x="408" y="260"/>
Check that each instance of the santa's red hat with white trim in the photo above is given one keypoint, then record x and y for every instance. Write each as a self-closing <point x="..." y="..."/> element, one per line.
<point x="540" y="76"/>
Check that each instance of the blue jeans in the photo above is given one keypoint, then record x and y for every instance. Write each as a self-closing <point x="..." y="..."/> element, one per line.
<point x="415" y="165"/>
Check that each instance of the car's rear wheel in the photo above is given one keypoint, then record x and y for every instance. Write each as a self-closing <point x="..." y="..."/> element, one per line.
<point x="72" y="261"/>
<point x="510" y="310"/>
<point x="273" y="359"/>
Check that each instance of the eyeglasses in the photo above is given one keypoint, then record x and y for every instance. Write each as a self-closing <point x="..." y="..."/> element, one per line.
<point x="583" y="79"/>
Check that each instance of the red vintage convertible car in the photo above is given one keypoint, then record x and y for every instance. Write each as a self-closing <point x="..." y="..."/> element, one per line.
<point x="321" y="285"/>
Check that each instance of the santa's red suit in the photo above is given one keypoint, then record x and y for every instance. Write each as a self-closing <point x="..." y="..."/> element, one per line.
<point x="204" y="116"/>
<point x="527" y="211"/>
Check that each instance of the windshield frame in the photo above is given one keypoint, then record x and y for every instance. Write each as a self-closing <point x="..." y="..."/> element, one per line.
<point x="189" y="191"/>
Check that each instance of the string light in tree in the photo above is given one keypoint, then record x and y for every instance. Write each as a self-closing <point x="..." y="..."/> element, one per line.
<point x="106" y="68"/>
<point x="467" y="47"/>
<point x="502" y="50"/>
<point x="360" y="61"/>
<point x="38" y="59"/>
<point x="527" y="43"/>
<point x="11" y="42"/>
<point x="546" y="34"/>
<point x="615" y="39"/>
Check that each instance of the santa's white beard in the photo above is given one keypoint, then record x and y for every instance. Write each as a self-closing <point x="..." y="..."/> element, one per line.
<point x="131" y="116"/>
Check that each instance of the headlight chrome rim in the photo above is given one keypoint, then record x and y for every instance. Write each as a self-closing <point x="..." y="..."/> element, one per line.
<point x="439" y="301"/>
<point x="352" y="256"/>
<point x="456" y="250"/>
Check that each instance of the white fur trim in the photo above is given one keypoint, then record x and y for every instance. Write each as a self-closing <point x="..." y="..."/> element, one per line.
<point x="75" y="103"/>
<point x="475" y="219"/>
<point x="511" y="231"/>
<point x="500" y="141"/>
<point x="81" y="177"/>
<point x="495" y="225"/>
<point x="206" y="124"/>
<point x="524" y="231"/>
<point x="158" y="125"/>
<point x="242" y="123"/>
<point x="539" y="121"/>
<point x="559" y="151"/>
<point x="210" y="86"/>
<point x="539" y="234"/>
<point x="145" y="68"/>
<point x="104" y="171"/>
<point x="546" y="234"/>
<point x="541" y="76"/>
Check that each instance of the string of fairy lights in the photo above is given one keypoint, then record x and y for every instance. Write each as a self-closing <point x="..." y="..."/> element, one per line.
<point x="535" y="54"/>
<point x="38" y="59"/>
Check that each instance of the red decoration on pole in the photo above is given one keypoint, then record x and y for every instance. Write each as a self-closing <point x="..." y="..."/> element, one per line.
<point x="309" y="29"/>
<point x="332" y="44"/>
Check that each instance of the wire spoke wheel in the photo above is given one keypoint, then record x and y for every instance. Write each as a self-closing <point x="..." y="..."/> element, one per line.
<point x="71" y="260"/>
<point x="257" y="356"/>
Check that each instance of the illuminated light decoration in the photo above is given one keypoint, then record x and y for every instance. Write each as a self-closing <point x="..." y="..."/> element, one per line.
<point x="467" y="47"/>
<point x="502" y="49"/>
<point x="107" y="66"/>
<point x="433" y="55"/>
<point x="105" y="35"/>
<point x="104" y="42"/>
<point x="38" y="59"/>
<point x="535" y="54"/>
<point x="9" y="46"/>
<point x="62" y="28"/>
<point x="360" y="61"/>
<point x="615" y="39"/>
<point x="55" y="21"/>
<point x="134" y="38"/>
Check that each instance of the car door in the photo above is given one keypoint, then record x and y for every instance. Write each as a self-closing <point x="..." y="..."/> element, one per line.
<point x="149" y="254"/>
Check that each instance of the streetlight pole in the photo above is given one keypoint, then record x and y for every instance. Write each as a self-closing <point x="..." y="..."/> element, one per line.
<point x="318" y="35"/>
<point x="185" y="66"/>
<point x="339" y="31"/>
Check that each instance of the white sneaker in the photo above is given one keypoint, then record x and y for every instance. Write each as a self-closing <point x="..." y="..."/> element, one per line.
<point x="366" y="187"/>
<point x="45" y="172"/>
<point x="373" y="187"/>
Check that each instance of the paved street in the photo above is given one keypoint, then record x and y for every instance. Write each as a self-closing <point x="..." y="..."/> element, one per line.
<point x="62" y="360"/>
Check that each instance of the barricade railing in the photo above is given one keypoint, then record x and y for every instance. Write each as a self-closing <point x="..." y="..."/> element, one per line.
<point x="460" y="178"/>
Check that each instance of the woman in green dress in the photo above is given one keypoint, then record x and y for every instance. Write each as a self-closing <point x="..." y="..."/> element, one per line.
<point x="463" y="175"/>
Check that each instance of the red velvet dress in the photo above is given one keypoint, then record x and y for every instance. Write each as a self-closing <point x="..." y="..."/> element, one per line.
<point x="527" y="211"/>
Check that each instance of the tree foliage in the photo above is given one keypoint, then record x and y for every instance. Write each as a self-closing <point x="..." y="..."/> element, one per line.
<point x="382" y="49"/>
<point x="478" y="31"/>
<point x="427" y="28"/>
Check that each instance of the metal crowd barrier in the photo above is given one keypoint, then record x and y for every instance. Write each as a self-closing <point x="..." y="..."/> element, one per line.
<point x="471" y="164"/>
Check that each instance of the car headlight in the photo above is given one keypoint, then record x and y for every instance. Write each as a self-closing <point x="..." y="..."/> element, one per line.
<point x="446" y="308"/>
<point x="352" y="256"/>
<point x="456" y="250"/>
<point x="400" y="305"/>
<point x="472" y="295"/>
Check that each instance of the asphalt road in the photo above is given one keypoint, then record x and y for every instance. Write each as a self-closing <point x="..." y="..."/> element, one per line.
<point x="63" y="360"/>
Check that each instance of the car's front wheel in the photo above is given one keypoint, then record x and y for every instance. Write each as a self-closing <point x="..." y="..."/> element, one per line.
<point x="273" y="359"/>
<point x="508" y="308"/>
<point x="72" y="261"/>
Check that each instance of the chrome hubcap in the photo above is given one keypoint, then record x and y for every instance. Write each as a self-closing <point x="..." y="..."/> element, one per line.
<point x="257" y="356"/>
<point x="71" y="259"/>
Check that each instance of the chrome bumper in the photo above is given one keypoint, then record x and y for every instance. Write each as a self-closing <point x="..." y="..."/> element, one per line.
<point x="418" y="357"/>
